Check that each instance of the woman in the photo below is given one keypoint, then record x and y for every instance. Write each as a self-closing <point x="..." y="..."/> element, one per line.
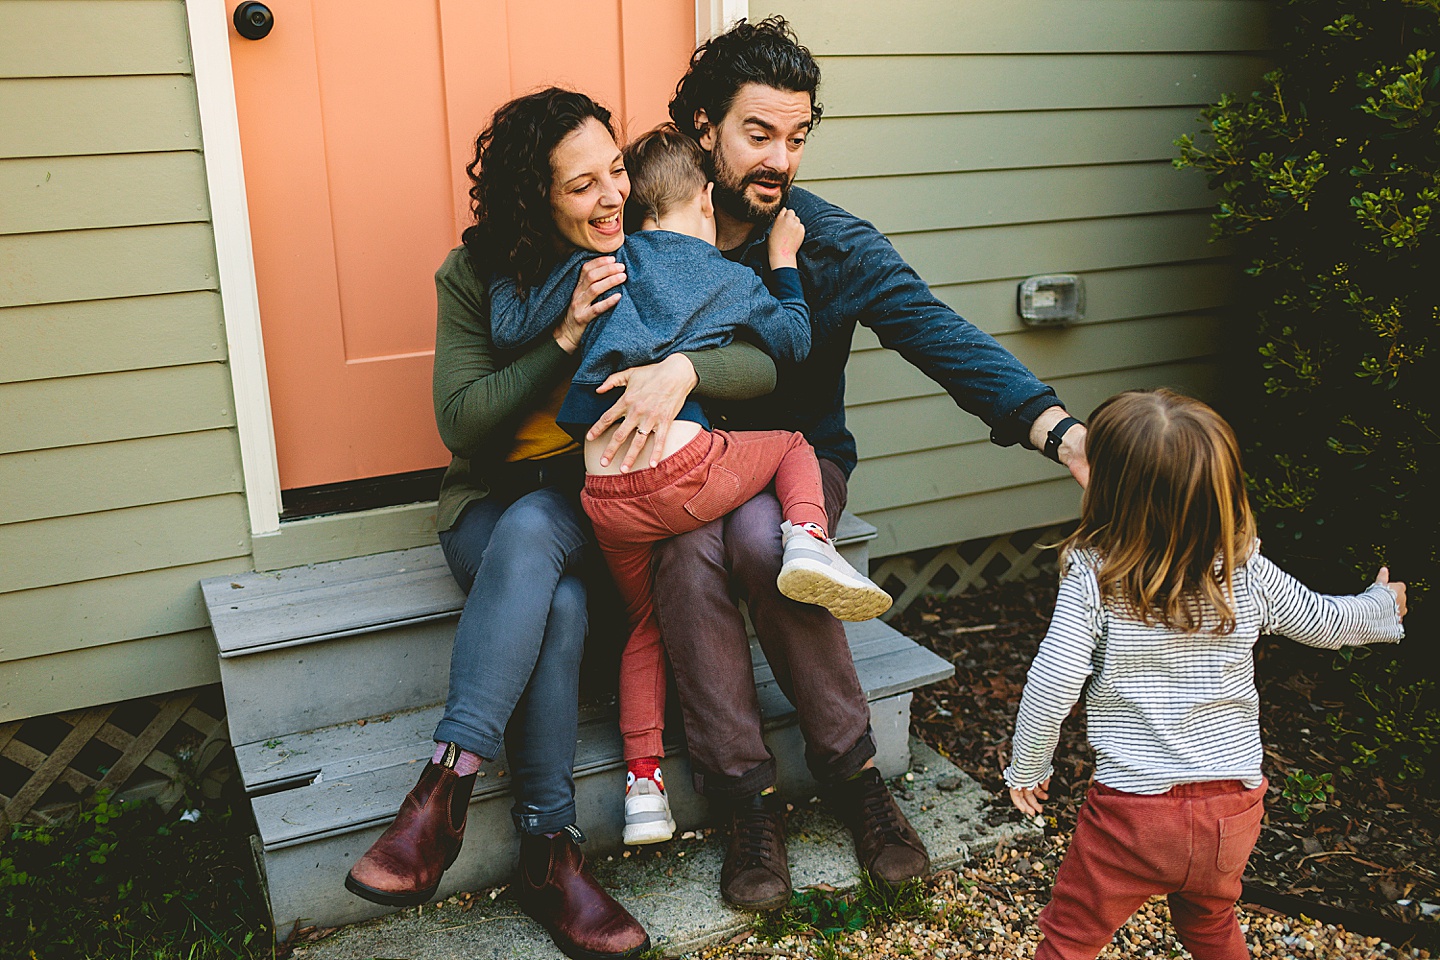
<point x="546" y="179"/>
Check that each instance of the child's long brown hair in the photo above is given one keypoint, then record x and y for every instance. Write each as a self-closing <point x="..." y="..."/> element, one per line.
<point x="1165" y="509"/>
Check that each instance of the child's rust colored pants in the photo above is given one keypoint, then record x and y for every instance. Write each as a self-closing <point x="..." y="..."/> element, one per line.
<point x="1190" y="844"/>
<point x="711" y="475"/>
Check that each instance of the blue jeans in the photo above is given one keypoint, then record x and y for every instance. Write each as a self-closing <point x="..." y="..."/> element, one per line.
<point x="515" y="667"/>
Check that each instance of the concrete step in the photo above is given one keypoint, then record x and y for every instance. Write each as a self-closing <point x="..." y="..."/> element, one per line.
<point x="394" y="612"/>
<point x="673" y="889"/>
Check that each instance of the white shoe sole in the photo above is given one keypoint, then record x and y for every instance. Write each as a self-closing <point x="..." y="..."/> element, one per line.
<point x="638" y="834"/>
<point x="813" y="583"/>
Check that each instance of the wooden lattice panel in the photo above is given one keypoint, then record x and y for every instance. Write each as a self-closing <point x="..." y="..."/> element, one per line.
<point x="975" y="564"/>
<point x="144" y="747"/>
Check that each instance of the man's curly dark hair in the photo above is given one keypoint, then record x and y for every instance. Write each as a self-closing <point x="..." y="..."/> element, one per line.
<point x="766" y="53"/>
<point x="514" y="231"/>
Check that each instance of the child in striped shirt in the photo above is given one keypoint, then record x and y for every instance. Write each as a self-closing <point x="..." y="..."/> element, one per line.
<point x="1163" y="594"/>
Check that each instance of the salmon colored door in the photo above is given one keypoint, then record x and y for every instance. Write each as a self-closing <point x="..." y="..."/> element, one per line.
<point x="356" y="120"/>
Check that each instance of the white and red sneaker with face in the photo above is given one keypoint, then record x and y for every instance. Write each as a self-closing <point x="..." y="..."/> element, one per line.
<point x="647" y="810"/>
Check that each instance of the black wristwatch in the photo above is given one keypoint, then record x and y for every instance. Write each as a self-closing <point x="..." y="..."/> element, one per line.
<point x="1056" y="436"/>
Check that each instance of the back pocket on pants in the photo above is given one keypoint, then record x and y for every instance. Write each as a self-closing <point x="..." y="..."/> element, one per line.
<point x="716" y="497"/>
<point x="1238" y="834"/>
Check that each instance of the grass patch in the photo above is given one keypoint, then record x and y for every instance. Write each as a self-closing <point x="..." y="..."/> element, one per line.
<point x="829" y="916"/>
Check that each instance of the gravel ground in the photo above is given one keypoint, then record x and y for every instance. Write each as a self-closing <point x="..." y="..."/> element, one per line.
<point x="988" y="909"/>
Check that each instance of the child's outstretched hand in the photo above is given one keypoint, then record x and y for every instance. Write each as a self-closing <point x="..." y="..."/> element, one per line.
<point x="1397" y="588"/>
<point x="1027" y="799"/>
<point x="786" y="235"/>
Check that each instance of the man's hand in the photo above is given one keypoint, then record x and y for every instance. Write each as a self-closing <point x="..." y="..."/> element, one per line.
<point x="786" y="235"/>
<point x="1027" y="799"/>
<point x="1072" y="446"/>
<point x="596" y="277"/>
<point x="653" y="396"/>
<point x="1394" y="586"/>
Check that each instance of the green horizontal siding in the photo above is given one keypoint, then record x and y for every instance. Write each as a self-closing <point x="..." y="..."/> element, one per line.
<point x="941" y="522"/>
<point x="114" y="406"/>
<point x="92" y="38"/>
<point x="830" y="27"/>
<point x="106" y="336"/>
<point x="118" y="452"/>
<point x="118" y="190"/>
<point x="996" y="140"/>
<point x="68" y="116"/>
<point x="43" y="553"/>
<point x="865" y="86"/>
<point x="88" y="677"/>
<point x="878" y="376"/>
<point x="932" y="421"/>
<point x="102" y="264"/>
<point x="1121" y="294"/>
<point x="90" y="613"/>
<point x="989" y="197"/>
<point x="72" y="480"/>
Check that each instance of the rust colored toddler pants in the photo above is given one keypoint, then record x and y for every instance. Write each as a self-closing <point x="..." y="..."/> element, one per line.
<point x="711" y="475"/>
<point x="1190" y="844"/>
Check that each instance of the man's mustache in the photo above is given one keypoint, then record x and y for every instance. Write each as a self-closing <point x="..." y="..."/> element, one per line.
<point x="766" y="179"/>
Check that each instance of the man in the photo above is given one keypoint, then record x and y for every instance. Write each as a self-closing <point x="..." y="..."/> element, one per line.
<point x="748" y="99"/>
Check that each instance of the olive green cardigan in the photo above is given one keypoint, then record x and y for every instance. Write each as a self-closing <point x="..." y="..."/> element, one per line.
<point x="482" y="393"/>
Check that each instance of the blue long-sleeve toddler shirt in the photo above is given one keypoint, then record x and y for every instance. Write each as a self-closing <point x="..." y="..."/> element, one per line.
<point x="680" y="294"/>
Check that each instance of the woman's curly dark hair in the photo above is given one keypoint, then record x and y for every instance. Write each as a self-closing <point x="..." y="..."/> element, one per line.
<point x="766" y="53"/>
<point x="510" y="182"/>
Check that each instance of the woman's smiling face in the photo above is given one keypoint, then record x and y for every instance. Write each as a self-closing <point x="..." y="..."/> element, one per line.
<point x="588" y="188"/>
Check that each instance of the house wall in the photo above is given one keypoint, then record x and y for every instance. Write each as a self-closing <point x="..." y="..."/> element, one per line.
<point x="994" y="140"/>
<point x="989" y="149"/>
<point x="119" y="464"/>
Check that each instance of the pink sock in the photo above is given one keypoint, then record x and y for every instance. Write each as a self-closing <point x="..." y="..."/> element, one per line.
<point x="466" y="764"/>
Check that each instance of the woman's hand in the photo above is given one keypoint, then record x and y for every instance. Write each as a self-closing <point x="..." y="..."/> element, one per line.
<point x="596" y="277"/>
<point x="653" y="396"/>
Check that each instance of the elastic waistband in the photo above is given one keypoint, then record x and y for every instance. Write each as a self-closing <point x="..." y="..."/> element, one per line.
<point x="1202" y="788"/>
<point x="604" y="486"/>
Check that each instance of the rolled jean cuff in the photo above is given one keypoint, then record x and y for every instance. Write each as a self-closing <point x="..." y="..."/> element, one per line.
<point x="536" y="823"/>
<point x="450" y="731"/>
<point x="717" y="786"/>
<point x="830" y="770"/>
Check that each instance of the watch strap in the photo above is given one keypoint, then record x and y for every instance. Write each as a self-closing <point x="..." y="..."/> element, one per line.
<point x="1056" y="436"/>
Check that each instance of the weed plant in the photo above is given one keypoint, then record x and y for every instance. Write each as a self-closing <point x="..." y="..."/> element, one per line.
<point x="127" y="880"/>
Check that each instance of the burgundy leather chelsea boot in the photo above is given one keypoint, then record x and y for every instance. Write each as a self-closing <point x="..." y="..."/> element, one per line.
<point x="557" y="890"/>
<point x="403" y="868"/>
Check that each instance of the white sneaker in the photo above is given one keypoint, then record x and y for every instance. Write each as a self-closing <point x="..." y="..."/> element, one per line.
<point x="814" y="572"/>
<point x="647" y="810"/>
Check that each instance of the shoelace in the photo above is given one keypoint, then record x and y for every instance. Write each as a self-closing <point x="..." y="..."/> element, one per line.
<point x="755" y="836"/>
<point x="878" y="809"/>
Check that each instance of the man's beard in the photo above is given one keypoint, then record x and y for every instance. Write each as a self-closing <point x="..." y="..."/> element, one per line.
<point x="730" y="195"/>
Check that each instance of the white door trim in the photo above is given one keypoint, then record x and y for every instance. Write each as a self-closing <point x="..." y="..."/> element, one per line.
<point x="713" y="17"/>
<point x="239" y="295"/>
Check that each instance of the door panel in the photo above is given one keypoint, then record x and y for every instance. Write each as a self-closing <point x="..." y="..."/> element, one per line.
<point x="356" y="121"/>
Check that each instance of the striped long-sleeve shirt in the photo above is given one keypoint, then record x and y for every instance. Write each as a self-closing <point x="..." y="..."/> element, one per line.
<point x="1164" y="707"/>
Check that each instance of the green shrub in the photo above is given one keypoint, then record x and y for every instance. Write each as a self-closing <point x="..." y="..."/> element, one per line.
<point x="1301" y="790"/>
<point x="1330" y="190"/>
<point x="1329" y="177"/>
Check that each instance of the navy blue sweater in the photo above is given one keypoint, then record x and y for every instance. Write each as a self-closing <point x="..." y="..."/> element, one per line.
<point x="851" y="274"/>
<point x="679" y="295"/>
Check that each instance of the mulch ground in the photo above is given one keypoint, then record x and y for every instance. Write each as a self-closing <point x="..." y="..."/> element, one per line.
<point x="1371" y="850"/>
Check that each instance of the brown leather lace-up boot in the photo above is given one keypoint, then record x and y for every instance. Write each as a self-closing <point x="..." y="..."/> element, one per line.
<point x="885" y="843"/>
<point x="756" y="872"/>
<point x="557" y="890"/>
<point x="404" y="866"/>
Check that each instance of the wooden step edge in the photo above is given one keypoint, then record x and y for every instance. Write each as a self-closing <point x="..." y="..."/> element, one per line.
<point x="356" y="631"/>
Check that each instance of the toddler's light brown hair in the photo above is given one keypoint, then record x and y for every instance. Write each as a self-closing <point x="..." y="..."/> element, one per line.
<point x="1166" y="510"/>
<point x="666" y="169"/>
